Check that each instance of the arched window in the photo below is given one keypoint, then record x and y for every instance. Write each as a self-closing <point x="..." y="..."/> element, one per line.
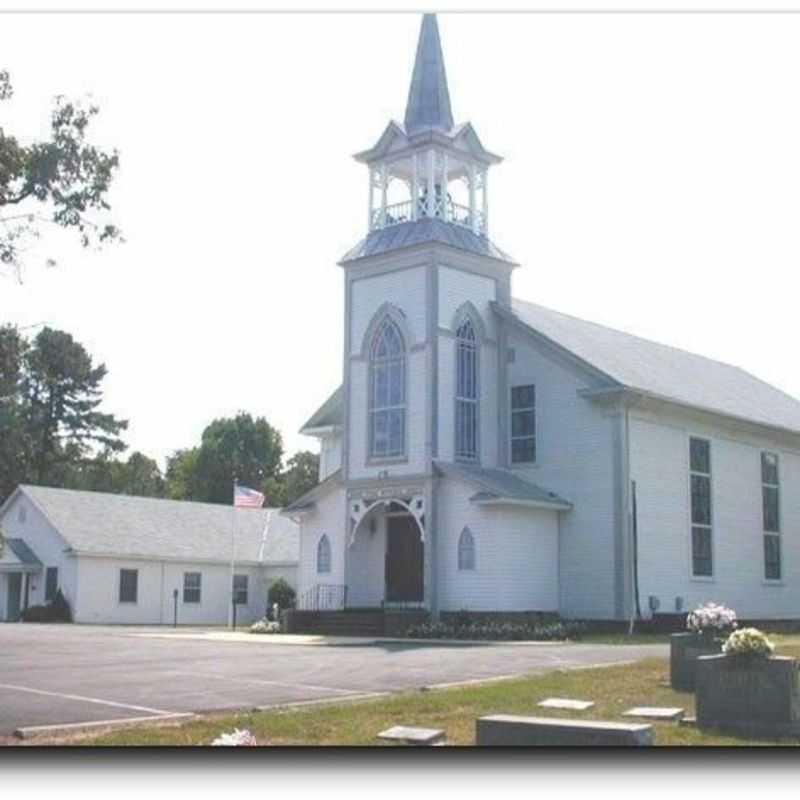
<point x="324" y="555"/>
<point x="466" y="550"/>
<point x="387" y="397"/>
<point x="466" y="391"/>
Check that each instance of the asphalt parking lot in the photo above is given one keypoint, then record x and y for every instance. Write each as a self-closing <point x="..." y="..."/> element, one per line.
<point x="63" y="674"/>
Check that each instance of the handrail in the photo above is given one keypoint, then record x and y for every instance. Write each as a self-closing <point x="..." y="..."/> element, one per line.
<point x="324" y="597"/>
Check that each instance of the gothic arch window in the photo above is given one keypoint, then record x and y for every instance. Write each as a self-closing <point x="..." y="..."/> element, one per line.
<point x="466" y="550"/>
<point x="466" y="422"/>
<point x="323" y="555"/>
<point x="387" y="395"/>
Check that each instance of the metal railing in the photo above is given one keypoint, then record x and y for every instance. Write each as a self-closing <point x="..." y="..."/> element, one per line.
<point x="324" y="597"/>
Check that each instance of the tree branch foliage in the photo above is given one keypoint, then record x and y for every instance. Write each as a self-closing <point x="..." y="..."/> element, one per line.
<point x="50" y="421"/>
<point x="63" y="181"/>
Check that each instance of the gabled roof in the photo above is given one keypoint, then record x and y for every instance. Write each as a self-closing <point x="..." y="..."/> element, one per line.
<point x="308" y="500"/>
<point x="424" y="231"/>
<point x="329" y="414"/>
<point x="662" y="371"/>
<point x="497" y="486"/>
<point x="23" y="553"/>
<point x="121" y="525"/>
<point x="428" y="103"/>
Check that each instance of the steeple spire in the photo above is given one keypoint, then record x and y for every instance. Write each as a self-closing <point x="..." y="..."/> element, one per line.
<point x="428" y="98"/>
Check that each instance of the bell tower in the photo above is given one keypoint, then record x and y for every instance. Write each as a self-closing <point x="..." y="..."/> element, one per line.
<point x="421" y="365"/>
<point x="428" y="167"/>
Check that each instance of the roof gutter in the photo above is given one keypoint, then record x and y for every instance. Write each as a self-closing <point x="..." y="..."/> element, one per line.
<point x="633" y="394"/>
<point x="514" y="501"/>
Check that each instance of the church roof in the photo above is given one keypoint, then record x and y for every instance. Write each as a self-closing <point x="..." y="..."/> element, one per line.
<point x="661" y="371"/>
<point x="502" y="486"/>
<point x="428" y="97"/>
<point x="631" y="362"/>
<point x="424" y="231"/>
<point x="330" y="413"/>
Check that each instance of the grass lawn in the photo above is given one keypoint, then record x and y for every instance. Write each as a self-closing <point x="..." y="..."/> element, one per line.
<point x="614" y="689"/>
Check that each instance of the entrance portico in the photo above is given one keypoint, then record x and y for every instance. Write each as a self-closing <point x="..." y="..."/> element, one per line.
<point x="385" y="562"/>
<point x="18" y="564"/>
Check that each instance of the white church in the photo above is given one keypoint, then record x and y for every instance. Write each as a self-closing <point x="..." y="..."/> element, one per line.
<point x="488" y="454"/>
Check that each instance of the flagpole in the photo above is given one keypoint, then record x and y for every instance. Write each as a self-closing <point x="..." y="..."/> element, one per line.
<point x="233" y="557"/>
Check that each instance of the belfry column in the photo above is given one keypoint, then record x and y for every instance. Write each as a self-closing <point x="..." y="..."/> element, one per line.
<point x="431" y="209"/>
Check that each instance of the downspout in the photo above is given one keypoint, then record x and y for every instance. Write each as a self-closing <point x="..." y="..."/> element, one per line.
<point x="631" y="525"/>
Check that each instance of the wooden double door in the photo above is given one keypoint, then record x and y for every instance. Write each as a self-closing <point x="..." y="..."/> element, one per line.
<point x="405" y="559"/>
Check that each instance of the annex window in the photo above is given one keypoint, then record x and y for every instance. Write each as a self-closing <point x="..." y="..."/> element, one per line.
<point x="50" y="583"/>
<point x="700" y="480"/>
<point x="240" y="590"/>
<point x="466" y="550"/>
<point x="770" y="502"/>
<point x="466" y="391"/>
<point x="387" y="397"/>
<point x="523" y="424"/>
<point x="128" y="585"/>
<point x="191" y="587"/>
<point x="324" y="555"/>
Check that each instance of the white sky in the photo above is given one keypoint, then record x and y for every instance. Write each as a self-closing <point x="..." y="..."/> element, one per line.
<point x="650" y="183"/>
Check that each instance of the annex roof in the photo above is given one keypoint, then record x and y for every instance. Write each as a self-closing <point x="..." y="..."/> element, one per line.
<point x="99" y="523"/>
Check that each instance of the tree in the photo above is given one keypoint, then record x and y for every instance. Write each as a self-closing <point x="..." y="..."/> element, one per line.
<point x="62" y="181"/>
<point x="181" y="474"/>
<point x="14" y="438"/>
<point x="299" y="476"/>
<point x="49" y="410"/>
<point x="139" y="475"/>
<point x="61" y="395"/>
<point x="241" y="447"/>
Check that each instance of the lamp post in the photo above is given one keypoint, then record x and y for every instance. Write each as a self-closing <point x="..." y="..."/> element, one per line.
<point x="174" y="608"/>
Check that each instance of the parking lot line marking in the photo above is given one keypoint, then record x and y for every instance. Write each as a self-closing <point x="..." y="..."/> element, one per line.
<point x="283" y="684"/>
<point x="83" y="699"/>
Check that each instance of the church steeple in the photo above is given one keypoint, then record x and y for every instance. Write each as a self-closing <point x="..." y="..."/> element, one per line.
<point x="428" y="174"/>
<point x="428" y="97"/>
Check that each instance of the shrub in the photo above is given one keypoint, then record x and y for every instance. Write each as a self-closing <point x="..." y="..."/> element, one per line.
<point x="57" y="610"/>
<point x="711" y="618"/>
<point x="748" y="643"/>
<point x="60" y="609"/>
<point x="281" y="592"/>
<point x="498" y="631"/>
<point x="265" y="626"/>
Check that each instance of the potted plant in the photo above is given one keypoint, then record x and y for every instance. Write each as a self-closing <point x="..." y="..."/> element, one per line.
<point x="706" y="627"/>
<point x="747" y="689"/>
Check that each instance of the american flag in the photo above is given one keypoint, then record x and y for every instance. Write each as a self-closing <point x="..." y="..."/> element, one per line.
<point x="247" y="498"/>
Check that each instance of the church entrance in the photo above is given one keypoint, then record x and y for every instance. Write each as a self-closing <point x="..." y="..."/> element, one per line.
<point x="404" y="560"/>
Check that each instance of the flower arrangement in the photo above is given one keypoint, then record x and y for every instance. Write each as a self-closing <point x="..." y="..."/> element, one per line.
<point x="711" y="618"/>
<point x="265" y="626"/>
<point x="238" y="738"/>
<point x="748" y="643"/>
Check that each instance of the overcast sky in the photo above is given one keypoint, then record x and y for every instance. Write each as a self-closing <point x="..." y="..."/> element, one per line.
<point x="651" y="183"/>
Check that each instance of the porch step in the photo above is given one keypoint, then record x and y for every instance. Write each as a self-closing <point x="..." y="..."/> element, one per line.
<point x="369" y="623"/>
